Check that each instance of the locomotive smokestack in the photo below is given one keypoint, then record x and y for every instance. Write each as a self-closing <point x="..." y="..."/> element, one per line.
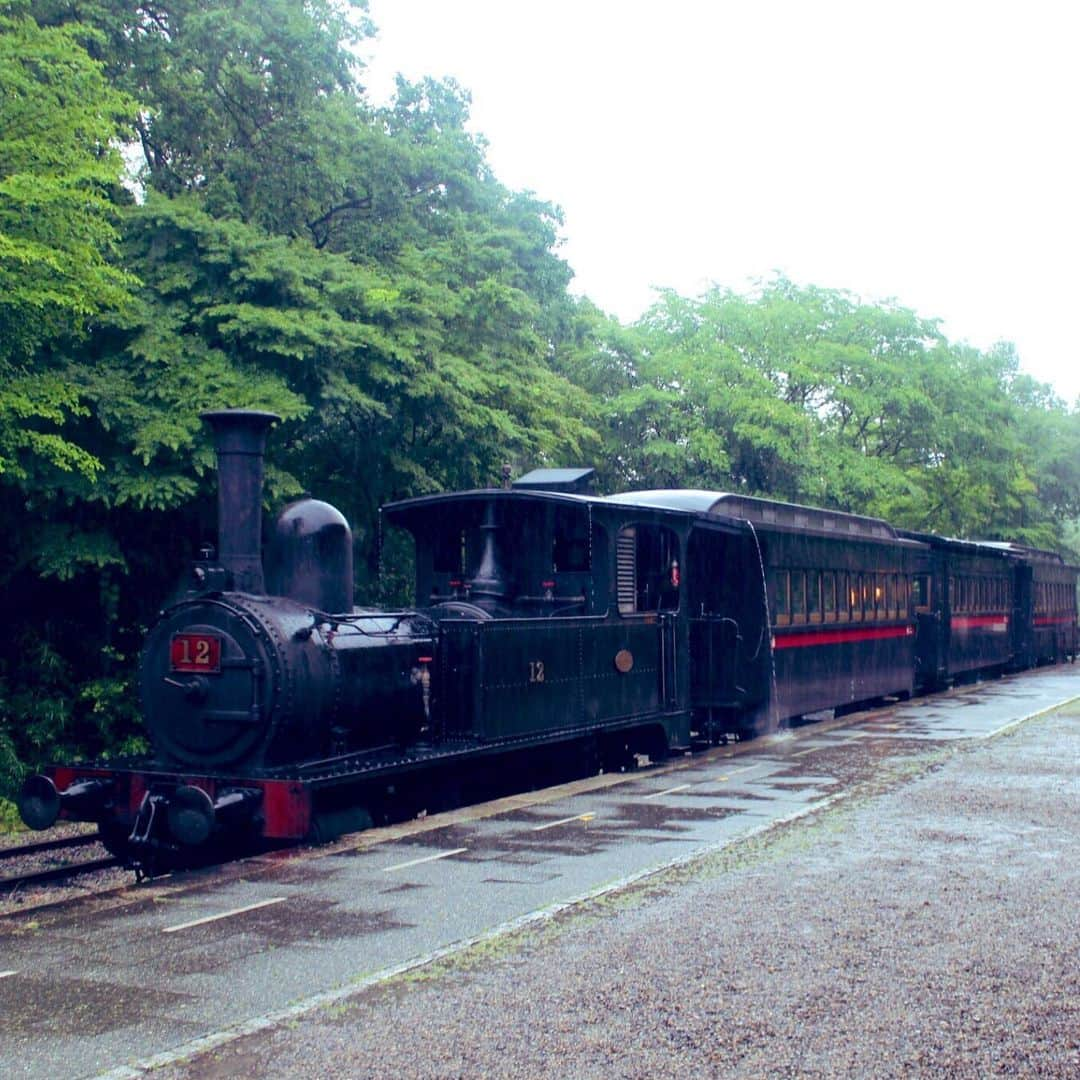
<point x="240" y="440"/>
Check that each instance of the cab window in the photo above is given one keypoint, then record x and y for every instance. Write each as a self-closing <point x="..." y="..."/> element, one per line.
<point x="570" y="545"/>
<point x="647" y="569"/>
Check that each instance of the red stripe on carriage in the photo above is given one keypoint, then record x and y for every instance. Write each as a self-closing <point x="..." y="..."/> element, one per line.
<point x="1054" y="620"/>
<point x="804" y="638"/>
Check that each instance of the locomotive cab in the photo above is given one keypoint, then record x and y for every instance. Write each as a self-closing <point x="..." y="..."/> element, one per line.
<point x="507" y="554"/>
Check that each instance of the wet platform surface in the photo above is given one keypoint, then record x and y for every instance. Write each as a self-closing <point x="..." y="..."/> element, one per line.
<point x="84" y="992"/>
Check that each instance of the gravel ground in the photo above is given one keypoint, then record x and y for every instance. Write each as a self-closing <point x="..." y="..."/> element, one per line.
<point x="929" y="928"/>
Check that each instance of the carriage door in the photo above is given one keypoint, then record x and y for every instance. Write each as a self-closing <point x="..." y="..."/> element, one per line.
<point x="716" y="640"/>
<point x="931" y="621"/>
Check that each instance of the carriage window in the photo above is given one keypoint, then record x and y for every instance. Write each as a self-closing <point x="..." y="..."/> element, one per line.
<point x="890" y="595"/>
<point x="828" y="595"/>
<point x="856" y="598"/>
<point x="880" y="607"/>
<point x="813" y="596"/>
<point x="920" y="590"/>
<point x="647" y="569"/>
<point x="779" y="597"/>
<point x="798" y="596"/>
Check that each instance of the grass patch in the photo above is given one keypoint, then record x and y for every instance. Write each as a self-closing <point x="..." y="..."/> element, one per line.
<point x="10" y="822"/>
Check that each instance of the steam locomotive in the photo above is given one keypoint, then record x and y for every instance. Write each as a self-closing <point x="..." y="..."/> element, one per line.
<point x="548" y="620"/>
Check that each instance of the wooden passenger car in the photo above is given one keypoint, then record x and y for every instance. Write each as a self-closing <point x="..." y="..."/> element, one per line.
<point x="965" y="597"/>
<point x="835" y="589"/>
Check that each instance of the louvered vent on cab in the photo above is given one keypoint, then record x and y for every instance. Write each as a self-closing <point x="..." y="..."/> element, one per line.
<point x="626" y="570"/>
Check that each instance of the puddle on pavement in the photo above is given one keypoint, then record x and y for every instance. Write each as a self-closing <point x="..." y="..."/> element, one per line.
<point x="303" y="921"/>
<point x="44" y="1005"/>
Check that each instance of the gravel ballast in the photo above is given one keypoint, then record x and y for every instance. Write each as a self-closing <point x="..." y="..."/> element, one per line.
<point x="928" y="926"/>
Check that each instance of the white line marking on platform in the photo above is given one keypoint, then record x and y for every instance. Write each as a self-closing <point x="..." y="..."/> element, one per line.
<point x="739" y="772"/>
<point x="808" y="750"/>
<point x="563" y="821"/>
<point x="426" y="858"/>
<point x="224" y="915"/>
<point x="668" y="791"/>
<point x="7" y="974"/>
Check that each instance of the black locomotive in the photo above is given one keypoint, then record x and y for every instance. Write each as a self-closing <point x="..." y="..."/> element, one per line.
<point x="547" y="620"/>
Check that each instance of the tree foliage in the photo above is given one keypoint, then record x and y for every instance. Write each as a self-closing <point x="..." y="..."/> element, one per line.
<point x="60" y="121"/>
<point x="812" y="395"/>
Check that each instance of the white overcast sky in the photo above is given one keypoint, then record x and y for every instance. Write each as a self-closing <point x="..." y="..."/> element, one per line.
<point x="921" y="151"/>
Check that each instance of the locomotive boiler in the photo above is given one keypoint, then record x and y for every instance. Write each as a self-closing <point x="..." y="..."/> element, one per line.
<point x="242" y="672"/>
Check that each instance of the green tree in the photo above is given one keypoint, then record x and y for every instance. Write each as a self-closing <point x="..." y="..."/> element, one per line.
<point x="60" y="123"/>
<point x="813" y="395"/>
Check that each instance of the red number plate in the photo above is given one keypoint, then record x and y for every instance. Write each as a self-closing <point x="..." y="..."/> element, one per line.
<point x="195" y="652"/>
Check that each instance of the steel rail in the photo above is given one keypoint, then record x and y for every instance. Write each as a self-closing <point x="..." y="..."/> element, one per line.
<point x="57" y="873"/>
<point x="48" y="845"/>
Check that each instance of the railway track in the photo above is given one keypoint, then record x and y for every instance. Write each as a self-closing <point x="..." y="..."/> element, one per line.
<point x="47" y="845"/>
<point x="32" y="872"/>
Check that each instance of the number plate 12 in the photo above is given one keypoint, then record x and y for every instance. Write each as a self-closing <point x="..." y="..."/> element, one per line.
<point x="195" y="652"/>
